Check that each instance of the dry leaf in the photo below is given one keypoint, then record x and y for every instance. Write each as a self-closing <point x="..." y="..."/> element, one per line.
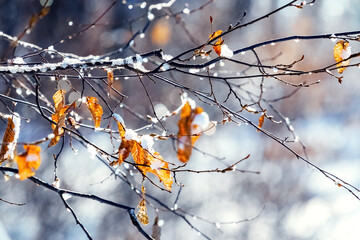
<point x="10" y="138"/>
<point x="28" y="161"/>
<point x="59" y="117"/>
<point x="189" y="131"/>
<point x="59" y="99"/>
<point x="142" y="213"/>
<point x="261" y="121"/>
<point x="95" y="110"/>
<point x="146" y="160"/>
<point x="342" y="50"/>
<point x="110" y="79"/>
<point x="219" y="42"/>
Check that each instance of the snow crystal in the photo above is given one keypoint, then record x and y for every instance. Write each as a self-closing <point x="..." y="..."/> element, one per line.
<point x="117" y="62"/>
<point x="195" y="70"/>
<point x="131" y="135"/>
<point x="70" y="61"/>
<point x="51" y="136"/>
<point x="129" y="60"/>
<point x="143" y="5"/>
<point x="166" y="57"/>
<point x="150" y="16"/>
<point x="19" y="60"/>
<point x="191" y="103"/>
<point x="147" y="142"/>
<point x="139" y="59"/>
<point x="186" y="11"/>
<point x="226" y="51"/>
<point x="139" y="66"/>
<point x="118" y="118"/>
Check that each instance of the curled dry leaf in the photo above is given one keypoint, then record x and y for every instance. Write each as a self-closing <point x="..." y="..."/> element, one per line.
<point x="146" y="159"/>
<point x="95" y="110"/>
<point x="59" y="117"/>
<point x="10" y="137"/>
<point x="110" y="79"/>
<point x="342" y="50"/>
<point x="143" y="157"/>
<point x="28" y="161"/>
<point x="189" y="130"/>
<point x="219" y="42"/>
<point x="142" y="213"/>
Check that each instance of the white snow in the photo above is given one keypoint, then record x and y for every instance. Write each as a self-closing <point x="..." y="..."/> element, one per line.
<point x="19" y="60"/>
<point x="201" y="120"/>
<point x="131" y="135"/>
<point x="70" y="61"/>
<point x="92" y="150"/>
<point x="118" y="118"/>
<point x="226" y="51"/>
<point x="117" y="62"/>
<point x="147" y="142"/>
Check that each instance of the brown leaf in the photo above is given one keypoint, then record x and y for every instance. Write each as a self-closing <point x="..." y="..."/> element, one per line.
<point x="339" y="49"/>
<point x="219" y="42"/>
<point x="261" y="121"/>
<point x="95" y="110"/>
<point x="9" y="137"/>
<point x="110" y="79"/>
<point x="145" y="160"/>
<point x="28" y="161"/>
<point x="186" y="138"/>
<point x="142" y="213"/>
<point x="59" y="99"/>
<point x="59" y="117"/>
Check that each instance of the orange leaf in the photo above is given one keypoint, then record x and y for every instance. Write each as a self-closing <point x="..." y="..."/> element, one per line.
<point x="148" y="162"/>
<point x="9" y="137"/>
<point x="142" y="213"/>
<point x="219" y="42"/>
<point x="342" y="51"/>
<point x="261" y="121"/>
<point x="28" y="161"/>
<point x="59" y="99"/>
<point x="142" y="157"/>
<point x="59" y="117"/>
<point x="186" y="136"/>
<point x="95" y="110"/>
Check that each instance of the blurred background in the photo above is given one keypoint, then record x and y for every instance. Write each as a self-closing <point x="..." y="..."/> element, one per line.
<point x="288" y="199"/>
